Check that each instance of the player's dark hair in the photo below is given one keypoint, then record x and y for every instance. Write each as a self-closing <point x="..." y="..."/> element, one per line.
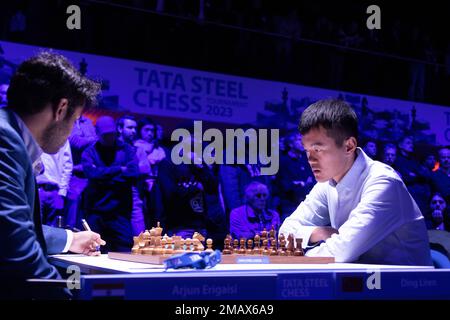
<point x="47" y="78"/>
<point x="336" y="116"/>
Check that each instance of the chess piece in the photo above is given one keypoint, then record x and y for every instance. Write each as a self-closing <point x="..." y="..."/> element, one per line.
<point x="299" y="250"/>
<point x="290" y="245"/>
<point x="188" y="244"/>
<point x="182" y="245"/>
<point x="242" y="248"/>
<point x="235" y="246"/>
<point x="264" y="234"/>
<point x="163" y="246"/>
<point x="257" y="244"/>
<point x="227" y="245"/>
<point x="265" y="250"/>
<point x="195" y="244"/>
<point x="169" y="245"/>
<point x="272" y="234"/>
<point x="146" y="237"/>
<point x="282" y="248"/>
<point x="273" y="247"/>
<point x="209" y="243"/>
<point x="198" y="236"/>
<point x="158" y="229"/>
<point x="249" y="246"/>
<point x="135" y="248"/>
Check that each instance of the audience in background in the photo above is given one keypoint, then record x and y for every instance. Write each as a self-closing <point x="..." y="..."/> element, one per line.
<point x="438" y="215"/>
<point x="53" y="185"/>
<point x="83" y="135"/>
<point x="254" y="216"/>
<point x="440" y="179"/>
<point x="111" y="168"/>
<point x="295" y="178"/>
<point x="370" y="148"/>
<point x="414" y="175"/>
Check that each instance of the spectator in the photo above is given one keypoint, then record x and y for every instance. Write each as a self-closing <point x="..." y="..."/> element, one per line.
<point x="429" y="162"/>
<point x="53" y="185"/>
<point x="414" y="175"/>
<point x="83" y="135"/>
<point x="440" y="179"/>
<point x="438" y="217"/>
<point x="126" y="129"/>
<point x="178" y="197"/>
<point x="111" y="167"/>
<point x="251" y="218"/>
<point x="370" y="148"/>
<point x="295" y="178"/>
<point x="148" y="134"/>
<point x="389" y="154"/>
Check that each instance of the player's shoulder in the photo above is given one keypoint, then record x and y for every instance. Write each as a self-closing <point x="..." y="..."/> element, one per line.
<point x="380" y="171"/>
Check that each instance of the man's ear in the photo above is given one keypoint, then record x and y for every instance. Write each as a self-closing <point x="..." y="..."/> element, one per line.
<point x="61" y="109"/>
<point x="350" y="144"/>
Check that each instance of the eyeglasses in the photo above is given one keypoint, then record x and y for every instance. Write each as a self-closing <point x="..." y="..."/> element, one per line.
<point x="261" y="195"/>
<point x="437" y="202"/>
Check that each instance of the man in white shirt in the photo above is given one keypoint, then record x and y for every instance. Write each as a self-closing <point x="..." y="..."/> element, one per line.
<point x="360" y="210"/>
<point x="53" y="184"/>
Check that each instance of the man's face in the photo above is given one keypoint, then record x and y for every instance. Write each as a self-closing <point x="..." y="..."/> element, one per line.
<point x="258" y="198"/>
<point x="444" y="158"/>
<point x="389" y="156"/>
<point x="56" y="133"/>
<point x="438" y="203"/>
<point x="128" y="132"/>
<point x="407" y="145"/>
<point x="148" y="132"/>
<point x="371" y="149"/>
<point x="327" y="160"/>
<point x="430" y="161"/>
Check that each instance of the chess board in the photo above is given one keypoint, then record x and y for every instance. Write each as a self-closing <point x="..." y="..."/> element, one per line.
<point x="153" y="248"/>
<point x="226" y="259"/>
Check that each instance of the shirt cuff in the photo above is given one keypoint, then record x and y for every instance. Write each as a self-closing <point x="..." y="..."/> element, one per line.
<point x="303" y="232"/>
<point x="69" y="241"/>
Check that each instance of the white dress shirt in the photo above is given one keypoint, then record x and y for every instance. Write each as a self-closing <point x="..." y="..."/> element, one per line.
<point x="377" y="219"/>
<point x="57" y="168"/>
<point x="35" y="152"/>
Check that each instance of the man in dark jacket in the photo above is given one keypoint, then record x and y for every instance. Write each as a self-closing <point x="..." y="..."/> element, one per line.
<point x="111" y="168"/>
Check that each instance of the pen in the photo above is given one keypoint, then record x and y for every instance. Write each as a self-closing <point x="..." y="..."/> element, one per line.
<point x="85" y="225"/>
<point x="87" y="228"/>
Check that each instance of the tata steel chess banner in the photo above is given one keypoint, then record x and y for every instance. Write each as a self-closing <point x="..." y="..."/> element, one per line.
<point x="153" y="89"/>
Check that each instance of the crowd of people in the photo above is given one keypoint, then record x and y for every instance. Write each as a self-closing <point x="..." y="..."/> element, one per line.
<point x="118" y="174"/>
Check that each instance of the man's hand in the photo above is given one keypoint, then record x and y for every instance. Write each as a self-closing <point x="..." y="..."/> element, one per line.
<point x="86" y="242"/>
<point x="321" y="233"/>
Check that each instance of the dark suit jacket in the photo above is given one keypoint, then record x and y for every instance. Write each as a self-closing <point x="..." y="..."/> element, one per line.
<point x="21" y="242"/>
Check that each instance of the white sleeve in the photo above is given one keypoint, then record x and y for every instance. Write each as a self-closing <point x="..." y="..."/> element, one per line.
<point x="376" y="216"/>
<point x="67" y="167"/>
<point x="311" y="213"/>
<point x="68" y="241"/>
